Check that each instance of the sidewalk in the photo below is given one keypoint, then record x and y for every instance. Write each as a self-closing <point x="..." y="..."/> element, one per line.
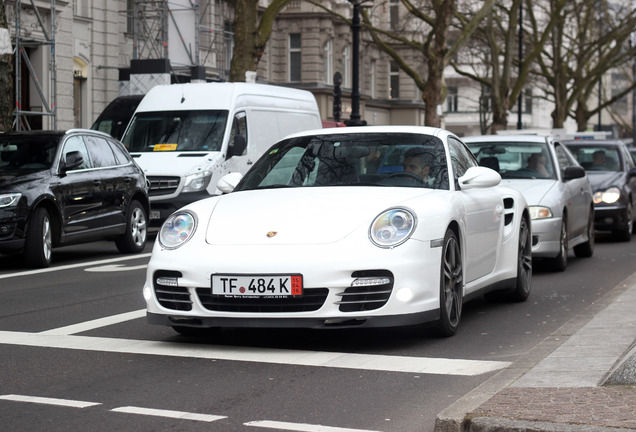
<point x="582" y="378"/>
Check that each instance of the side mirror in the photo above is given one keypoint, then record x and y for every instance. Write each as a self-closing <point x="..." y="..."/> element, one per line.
<point x="479" y="177"/>
<point x="73" y="160"/>
<point x="632" y="172"/>
<point x="237" y="147"/>
<point x="573" y="172"/>
<point x="228" y="182"/>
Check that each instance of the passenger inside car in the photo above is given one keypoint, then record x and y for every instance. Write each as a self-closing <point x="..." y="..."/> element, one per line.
<point x="419" y="163"/>
<point x="537" y="163"/>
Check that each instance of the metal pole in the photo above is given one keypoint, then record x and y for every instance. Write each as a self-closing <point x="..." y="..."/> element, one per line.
<point x="519" y="101"/>
<point x="355" y="120"/>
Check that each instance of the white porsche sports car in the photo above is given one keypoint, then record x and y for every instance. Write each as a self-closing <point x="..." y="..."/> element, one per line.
<point x="369" y="226"/>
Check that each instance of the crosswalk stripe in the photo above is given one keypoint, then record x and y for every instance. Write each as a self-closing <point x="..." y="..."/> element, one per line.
<point x="48" y="401"/>
<point x="168" y="413"/>
<point x="388" y="363"/>
<point x="300" y="427"/>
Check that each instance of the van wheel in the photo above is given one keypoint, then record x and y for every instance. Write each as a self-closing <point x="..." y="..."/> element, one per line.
<point x="133" y="240"/>
<point x="39" y="240"/>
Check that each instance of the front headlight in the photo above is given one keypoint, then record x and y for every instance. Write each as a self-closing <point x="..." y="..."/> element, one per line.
<point x="539" y="212"/>
<point x="177" y="229"/>
<point x="197" y="182"/>
<point x="392" y="228"/>
<point x="9" y="199"/>
<point x="608" y="196"/>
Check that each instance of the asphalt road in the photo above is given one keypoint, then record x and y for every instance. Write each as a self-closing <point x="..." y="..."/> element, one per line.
<point x="77" y="354"/>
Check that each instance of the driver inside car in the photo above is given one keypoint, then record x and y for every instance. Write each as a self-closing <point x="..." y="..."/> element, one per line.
<point x="418" y="162"/>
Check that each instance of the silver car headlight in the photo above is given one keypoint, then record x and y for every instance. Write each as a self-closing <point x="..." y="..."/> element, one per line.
<point x="540" y="212"/>
<point x="197" y="182"/>
<point x="177" y="229"/>
<point x="392" y="228"/>
<point x="608" y="196"/>
<point x="9" y="199"/>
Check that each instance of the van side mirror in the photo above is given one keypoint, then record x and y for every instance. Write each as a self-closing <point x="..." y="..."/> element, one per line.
<point x="73" y="160"/>
<point x="237" y="147"/>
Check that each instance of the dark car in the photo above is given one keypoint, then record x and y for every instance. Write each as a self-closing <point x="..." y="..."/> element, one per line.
<point x="116" y="116"/>
<point x="612" y="173"/>
<point x="59" y="188"/>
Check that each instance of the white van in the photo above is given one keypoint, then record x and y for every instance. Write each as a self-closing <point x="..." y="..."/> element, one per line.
<point x="187" y="136"/>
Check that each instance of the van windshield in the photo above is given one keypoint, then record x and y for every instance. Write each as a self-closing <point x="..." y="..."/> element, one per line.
<point x="176" y="131"/>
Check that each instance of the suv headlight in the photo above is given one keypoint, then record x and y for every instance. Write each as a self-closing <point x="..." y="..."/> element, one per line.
<point x="608" y="196"/>
<point x="9" y="199"/>
<point x="392" y="228"/>
<point x="540" y="212"/>
<point x="197" y="182"/>
<point x="177" y="229"/>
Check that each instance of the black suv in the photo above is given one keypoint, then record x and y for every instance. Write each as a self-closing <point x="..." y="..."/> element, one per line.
<point x="64" y="187"/>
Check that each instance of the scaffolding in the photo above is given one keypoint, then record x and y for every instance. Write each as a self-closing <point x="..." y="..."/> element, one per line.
<point x="21" y="43"/>
<point x="159" y="31"/>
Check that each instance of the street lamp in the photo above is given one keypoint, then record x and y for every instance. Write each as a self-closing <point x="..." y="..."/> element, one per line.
<point x="355" y="119"/>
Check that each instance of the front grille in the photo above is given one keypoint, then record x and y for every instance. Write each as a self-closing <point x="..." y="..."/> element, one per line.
<point x="366" y="298"/>
<point x="163" y="185"/>
<point x="171" y="297"/>
<point x="311" y="300"/>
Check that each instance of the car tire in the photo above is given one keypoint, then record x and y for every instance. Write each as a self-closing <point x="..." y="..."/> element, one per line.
<point x="38" y="245"/>
<point x="451" y="286"/>
<point x="133" y="240"/>
<point x="586" y="250"/>
<point x="624" y="233"/>
<point x="523" y="283"/>
<point x="560" y="262"/>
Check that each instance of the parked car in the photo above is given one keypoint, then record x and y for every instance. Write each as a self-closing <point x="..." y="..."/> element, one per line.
<point x="314" y="236"/>
<point x="612" y="173"/>
<point x="63" y="187"/>
<point x="554" y="184"/>
<point x="117" y="114"/>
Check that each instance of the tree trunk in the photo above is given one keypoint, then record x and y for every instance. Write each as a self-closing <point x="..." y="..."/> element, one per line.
<point x="6" y="81"/>
<point x="244" y="57"/>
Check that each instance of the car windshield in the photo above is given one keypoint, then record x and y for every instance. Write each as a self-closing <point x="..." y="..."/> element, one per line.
<point x="176" y="131"/>
<point x="352" y="159"/>
<point x="27" y="153"/>
<point x="515" y="160"/>
<point x="597" y="158"/>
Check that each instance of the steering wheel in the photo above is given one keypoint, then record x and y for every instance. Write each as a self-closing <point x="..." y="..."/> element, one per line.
<point x="408" y="175"/>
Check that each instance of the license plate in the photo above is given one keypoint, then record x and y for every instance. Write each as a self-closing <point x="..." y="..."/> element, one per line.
<point x="257" y="285"/>
<point x="155" y="214"/>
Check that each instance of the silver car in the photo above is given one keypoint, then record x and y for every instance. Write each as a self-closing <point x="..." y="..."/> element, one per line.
<point x="555" y="186"/>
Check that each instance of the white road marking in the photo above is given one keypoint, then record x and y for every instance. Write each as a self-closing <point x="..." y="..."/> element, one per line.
<point x="442" y="366"/>
<point x="301" y="427"/>
<point x="70" y="266"/>
<point x="49" y="401"/>
<point x="168" y="413"/>
<point x="115" y="268"/>
<point x="97" y="323"/>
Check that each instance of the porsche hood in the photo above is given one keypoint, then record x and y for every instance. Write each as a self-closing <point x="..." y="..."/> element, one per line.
<point x="299" y="215"/>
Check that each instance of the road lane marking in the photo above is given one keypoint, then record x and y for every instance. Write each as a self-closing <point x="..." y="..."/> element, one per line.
<point x="115" y="268"/>
<point x="71" y="266"/>
<point x="387" y="363"/>
<point x="168" y="413"/>
<point x="49" y="401"/>
<point x="96" y="323"/>
<point x="301" y="427"/>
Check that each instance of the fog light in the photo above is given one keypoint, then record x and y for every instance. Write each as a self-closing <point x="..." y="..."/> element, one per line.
<point x="147" y="293"/>
<point x="370" y="281"/>
<point x="167" y="281"/>
<point x="405" y="294"/>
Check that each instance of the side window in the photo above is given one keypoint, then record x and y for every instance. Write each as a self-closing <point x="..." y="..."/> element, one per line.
<point x="461" y="157"/>
<point x="101" y="154"/>
<point x="239" y="127"/>
<point x="629" y="161"/>
<point x="563" y="158"/>
<point x="76" y="143"/>
<point x="121" y="156"/>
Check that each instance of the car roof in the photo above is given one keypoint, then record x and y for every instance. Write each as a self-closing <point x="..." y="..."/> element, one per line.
<point x="424" y="130"/>
<point x="53" y="133"/>
<point x="594" y="142"/>
<point x="521" y="138"/>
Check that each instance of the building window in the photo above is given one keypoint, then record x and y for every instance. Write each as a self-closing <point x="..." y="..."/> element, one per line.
<point x="82" y="8"/>
<point x="485" y="102"/>
<point x="346" y="67"/>
<point x="328" y="61"/>
<point x="394" y="14"/>
<point x="228" y="48"/>
<point x="394" y="74"/>
<point x="294" y="57"/>
<point x="130" y="13"/>
<point x="372" y="78"/>
<point x="619" y="82"/>
<point x="451" y="99"/>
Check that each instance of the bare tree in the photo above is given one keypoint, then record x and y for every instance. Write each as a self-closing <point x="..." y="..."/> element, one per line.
<point x="590" y="39"/>
<point x="252" y="28"/>
<point x="492" y="57"/>
<point x="6" y="78"/>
